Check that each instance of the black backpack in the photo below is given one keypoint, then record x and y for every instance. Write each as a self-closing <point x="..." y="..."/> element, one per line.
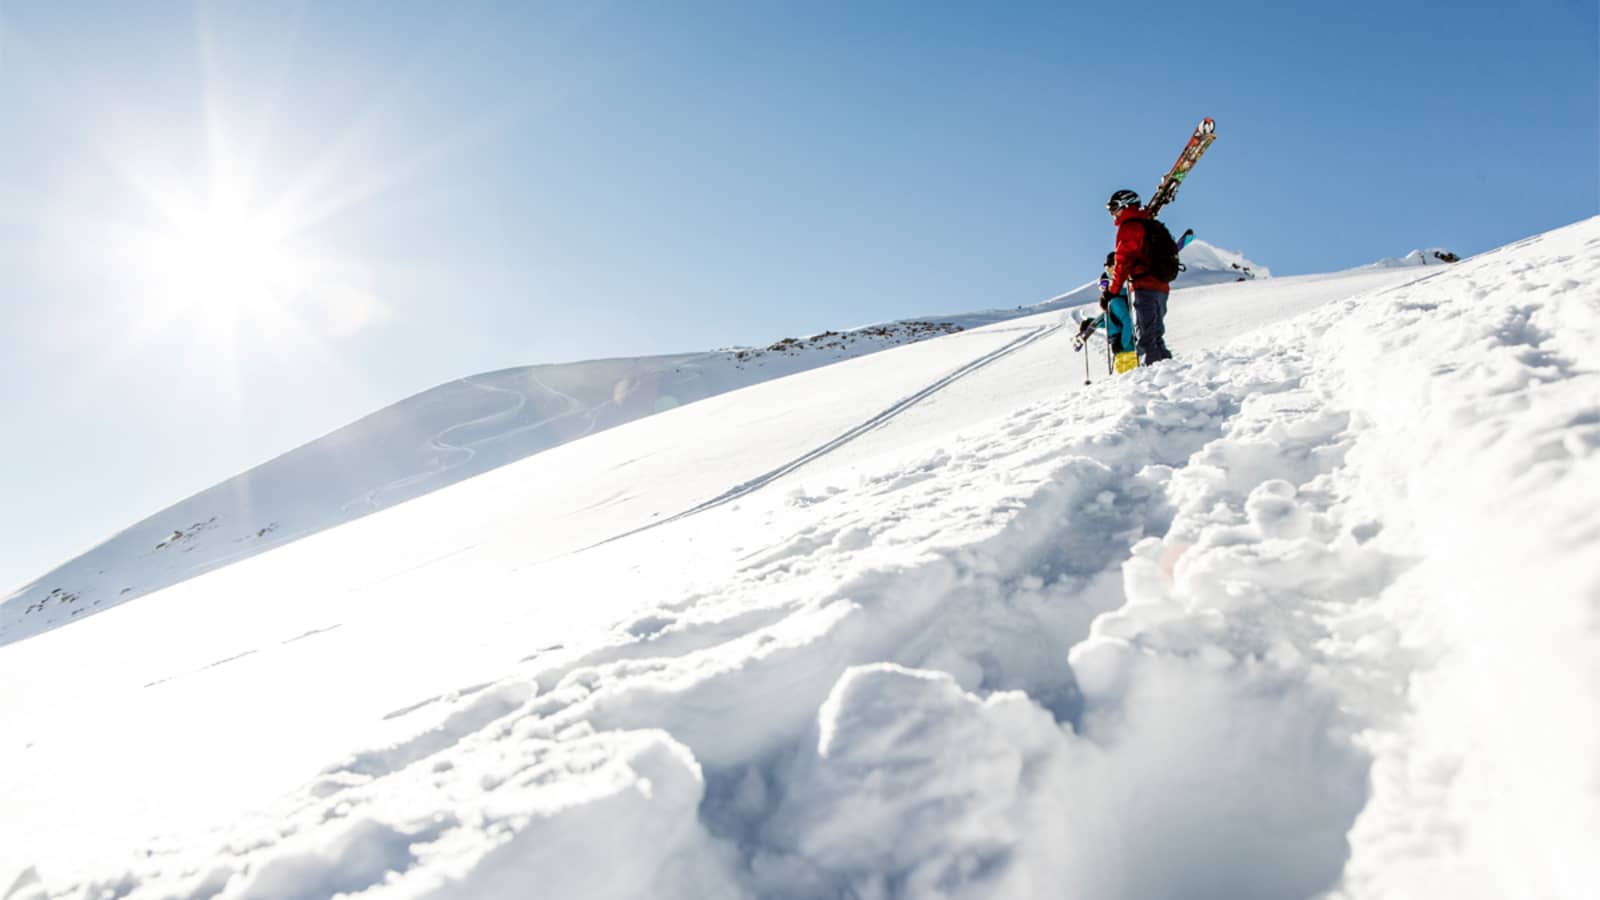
<point x="1160" y="251"/>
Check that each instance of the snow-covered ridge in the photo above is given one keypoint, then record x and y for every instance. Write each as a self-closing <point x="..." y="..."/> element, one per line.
<point x="455" y="432"/>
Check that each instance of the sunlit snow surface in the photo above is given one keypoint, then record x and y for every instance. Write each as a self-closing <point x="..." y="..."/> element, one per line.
<point x="1310" y="609"/>
<point x="454" y="432"/>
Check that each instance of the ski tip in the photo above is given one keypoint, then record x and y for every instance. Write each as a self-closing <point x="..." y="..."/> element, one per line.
<point x="1208" y="125"/>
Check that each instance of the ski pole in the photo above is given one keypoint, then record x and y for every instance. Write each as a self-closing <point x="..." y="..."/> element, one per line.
<point x="1085" y="365"/>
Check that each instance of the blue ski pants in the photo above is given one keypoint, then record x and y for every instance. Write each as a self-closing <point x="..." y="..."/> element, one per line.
<point x="1149" y="325"/>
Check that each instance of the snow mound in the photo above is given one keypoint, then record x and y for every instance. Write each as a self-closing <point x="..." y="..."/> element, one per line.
<point x="1433" y="256"/>
<point x="1206" y="263"/>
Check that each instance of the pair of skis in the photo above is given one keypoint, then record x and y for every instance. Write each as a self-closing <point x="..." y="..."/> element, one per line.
<point x="1204" y="134"/>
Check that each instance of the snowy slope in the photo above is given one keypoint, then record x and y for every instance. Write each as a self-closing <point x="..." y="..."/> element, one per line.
<point x="934" y="622"/>
<point x="442" y="437"/>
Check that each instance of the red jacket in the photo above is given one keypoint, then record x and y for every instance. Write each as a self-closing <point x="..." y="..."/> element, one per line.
<point x="1130" y="262"/>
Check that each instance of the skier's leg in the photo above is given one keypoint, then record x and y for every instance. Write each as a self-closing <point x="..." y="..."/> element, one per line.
<point x="1123" y="317"/>
<point x="1149" y="310"/>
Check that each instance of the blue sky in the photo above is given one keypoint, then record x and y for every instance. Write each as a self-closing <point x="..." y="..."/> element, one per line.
<point x="455" y="188"/>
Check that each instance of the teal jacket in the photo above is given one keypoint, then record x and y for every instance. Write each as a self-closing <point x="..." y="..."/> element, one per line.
<point x="1117" y="320"/>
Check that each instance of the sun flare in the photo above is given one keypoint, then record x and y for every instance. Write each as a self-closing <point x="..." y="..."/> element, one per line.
<point x="221" y="258"/>
<point x="232" y="273"/>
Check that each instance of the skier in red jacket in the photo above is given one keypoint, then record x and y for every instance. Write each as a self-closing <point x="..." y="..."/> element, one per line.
<point x="1149" y="293"/>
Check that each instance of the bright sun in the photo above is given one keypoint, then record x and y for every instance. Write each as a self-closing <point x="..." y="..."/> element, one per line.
<point x="234" y="274"/>
<point x="217" y="263"/>
<point x="228" y="282"/>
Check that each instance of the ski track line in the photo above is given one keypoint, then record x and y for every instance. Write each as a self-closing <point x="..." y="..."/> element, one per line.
<point x="439" y="440"/>
<point x="575" y="408"/>
<point x="439" y="444"/>
<point x="870" y="425"/>
<point x="574" y="404"/>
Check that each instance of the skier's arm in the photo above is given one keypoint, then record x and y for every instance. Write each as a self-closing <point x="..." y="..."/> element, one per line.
<point x="1130" y="241"/>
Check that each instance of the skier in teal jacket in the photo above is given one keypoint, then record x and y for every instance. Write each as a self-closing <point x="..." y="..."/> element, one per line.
<point x="1116" y="318"/>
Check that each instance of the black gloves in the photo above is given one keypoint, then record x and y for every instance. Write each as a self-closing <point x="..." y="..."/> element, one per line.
<point x="1105" y="298"/>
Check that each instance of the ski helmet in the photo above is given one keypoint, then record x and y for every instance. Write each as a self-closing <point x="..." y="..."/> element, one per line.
<point x="1121" y="200"/>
